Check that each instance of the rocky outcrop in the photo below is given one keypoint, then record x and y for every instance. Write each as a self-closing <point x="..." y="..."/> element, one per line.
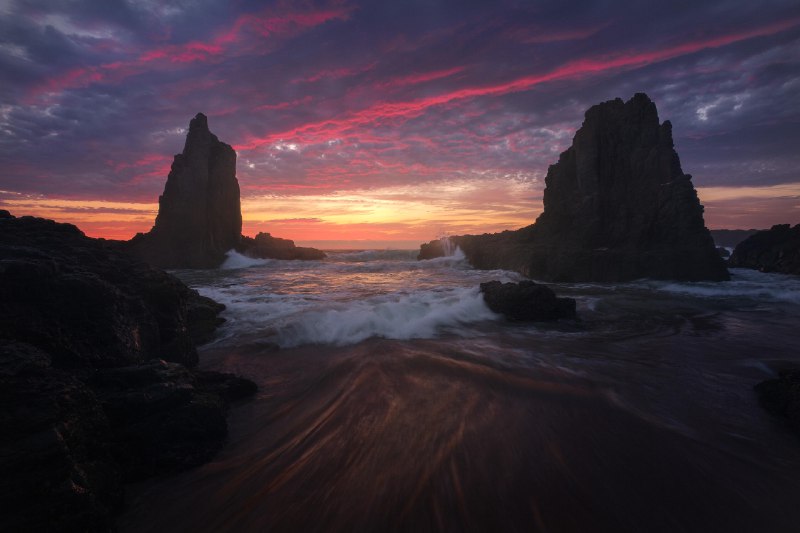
<point x="781" y="396"/>
<point x="617" y="206"/>
<point x="95" y="381"/>
<point x="526" y="301"/>
<point x="265" y="246"/>
<point x="774" y="250"/>
<point x="199" y="213"/>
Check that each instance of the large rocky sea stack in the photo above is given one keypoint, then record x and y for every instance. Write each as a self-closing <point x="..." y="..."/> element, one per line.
<point x="617" y="206"/>
<point x="199" y="214"/>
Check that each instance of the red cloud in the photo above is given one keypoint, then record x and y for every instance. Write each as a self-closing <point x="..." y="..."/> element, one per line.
<point x="236" y="40"/>
<point x="387" y="111"/>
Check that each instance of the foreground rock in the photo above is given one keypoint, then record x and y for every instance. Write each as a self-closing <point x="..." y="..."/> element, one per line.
<point x="199" y="215"/>
<point x="526" y="300"/>
<point x="265" y="246"/>
<point x="781" y="396"/>
<point x="774" y="250"/>
<point x="617" y="206"/>
<point x="95" y="385"/>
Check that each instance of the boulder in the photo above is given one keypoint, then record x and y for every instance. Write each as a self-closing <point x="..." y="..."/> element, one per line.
<point x="774" y="250"/>
<point x="781" y="396"/>
<point x="617" y="206"/>
<point x="199" y="214"/>
<point x="526" y="300"/>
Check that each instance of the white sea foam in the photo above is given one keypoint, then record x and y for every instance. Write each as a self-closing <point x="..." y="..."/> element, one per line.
<point x="296" y="319"/>
<point x="420" y="314"/>
<point x="745" y="283"/>
<point x="236" y="260"/>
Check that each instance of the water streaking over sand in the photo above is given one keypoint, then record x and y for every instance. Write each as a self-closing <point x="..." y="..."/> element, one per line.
<point x="392" y="399"/>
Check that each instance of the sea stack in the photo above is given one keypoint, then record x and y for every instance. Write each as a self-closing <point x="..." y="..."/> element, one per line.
<point x="617" y="206"/>
<point x="199" y="214"/>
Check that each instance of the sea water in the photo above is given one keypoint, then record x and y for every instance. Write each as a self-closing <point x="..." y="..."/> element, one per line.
<point x="392" y="398"/>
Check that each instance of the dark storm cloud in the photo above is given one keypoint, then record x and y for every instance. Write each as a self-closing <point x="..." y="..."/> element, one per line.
<point x="332" y="95"/>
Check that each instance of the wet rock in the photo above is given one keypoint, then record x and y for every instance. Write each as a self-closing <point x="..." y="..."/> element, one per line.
<point x="781" y="396"/>
<point x="95" y="384"/>
<point x="90" y="305"/>
<point x="57" y="470"/>
<point x="774" y="250"/>
<point x="199" y="214"/>
<point x="617" y="206"/>
<point x="526" y="300"/>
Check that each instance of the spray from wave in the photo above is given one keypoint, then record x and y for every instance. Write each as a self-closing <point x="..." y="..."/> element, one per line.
<point x="421" y="314"/>
<point x="235" y="260"/>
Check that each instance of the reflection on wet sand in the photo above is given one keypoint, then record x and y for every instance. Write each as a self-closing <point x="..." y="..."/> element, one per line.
<point x="423" y="436"/>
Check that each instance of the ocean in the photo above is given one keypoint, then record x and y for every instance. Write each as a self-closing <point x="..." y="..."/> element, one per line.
<point x="392" y="399"/>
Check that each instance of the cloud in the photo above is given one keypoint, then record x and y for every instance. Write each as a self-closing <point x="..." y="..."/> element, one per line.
<point x="327" y="99"/>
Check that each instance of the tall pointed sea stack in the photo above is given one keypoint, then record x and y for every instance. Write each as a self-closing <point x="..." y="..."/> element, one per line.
<point x="617" y="206"/>
<point x="199" y="214"/>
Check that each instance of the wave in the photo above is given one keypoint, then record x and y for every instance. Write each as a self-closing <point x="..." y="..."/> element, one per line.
<point x="415" y="315"/>
<point x="234" y="260"/>
<point x="289" y="320"/>
<point x="745" y="283"/>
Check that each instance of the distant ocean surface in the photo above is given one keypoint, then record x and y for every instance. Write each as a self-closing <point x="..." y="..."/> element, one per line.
<point x="392" y="399"/>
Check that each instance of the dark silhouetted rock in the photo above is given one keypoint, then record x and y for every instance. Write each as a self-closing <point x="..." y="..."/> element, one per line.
<point x="265" y="246"/>
<point x="723" y="252"/>
<point x="526" y="300"/>
<point x="87" y="397"/>
<point x="199" y="214"/>
<point x="774" y="250"/>
<point x="781" y="396"/>
<point x="617" y="206"/>
<point x="90" y="305"/>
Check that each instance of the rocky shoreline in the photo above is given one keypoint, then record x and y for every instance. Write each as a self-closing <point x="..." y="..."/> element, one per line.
<point x="97" y="379"/>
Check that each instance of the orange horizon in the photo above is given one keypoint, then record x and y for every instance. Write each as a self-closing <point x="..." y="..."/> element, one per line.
<point x="400" y="216"/>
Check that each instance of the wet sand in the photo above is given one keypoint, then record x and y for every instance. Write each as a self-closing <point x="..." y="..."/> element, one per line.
<point x="415" y="436"/>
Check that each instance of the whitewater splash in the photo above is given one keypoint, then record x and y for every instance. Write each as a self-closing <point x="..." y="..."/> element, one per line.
<point x="235" y="260"/>
<point x="395" y="316"/>
<point x="451" y="249"/>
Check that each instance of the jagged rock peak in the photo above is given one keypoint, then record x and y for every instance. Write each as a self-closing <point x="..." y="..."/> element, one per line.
<point x="617" y="206"/>
<point x="199" y="214"/>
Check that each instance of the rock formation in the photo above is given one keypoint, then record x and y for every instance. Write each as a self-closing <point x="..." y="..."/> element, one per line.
<point x="95" y="381"/>
<point x="526" y="300"/>
<point x="265" y="246"/>
<point x="781" y="396"/>
<point x="617" y="206"/>
<point x="199" y="214"/>
<point x="774" y="250"/>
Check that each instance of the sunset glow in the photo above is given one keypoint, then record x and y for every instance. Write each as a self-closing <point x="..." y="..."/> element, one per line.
<point x="431" y="122"/>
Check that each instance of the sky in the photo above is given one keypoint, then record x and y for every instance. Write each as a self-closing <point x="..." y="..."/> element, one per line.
<point x="386" y="122"/>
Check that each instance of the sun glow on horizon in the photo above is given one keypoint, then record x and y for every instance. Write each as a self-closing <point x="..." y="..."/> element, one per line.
<point x="398" y="216"/>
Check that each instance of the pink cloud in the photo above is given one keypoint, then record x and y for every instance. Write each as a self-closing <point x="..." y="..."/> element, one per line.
<point x="234" y="41"/>
<point x="389" y="111"/>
